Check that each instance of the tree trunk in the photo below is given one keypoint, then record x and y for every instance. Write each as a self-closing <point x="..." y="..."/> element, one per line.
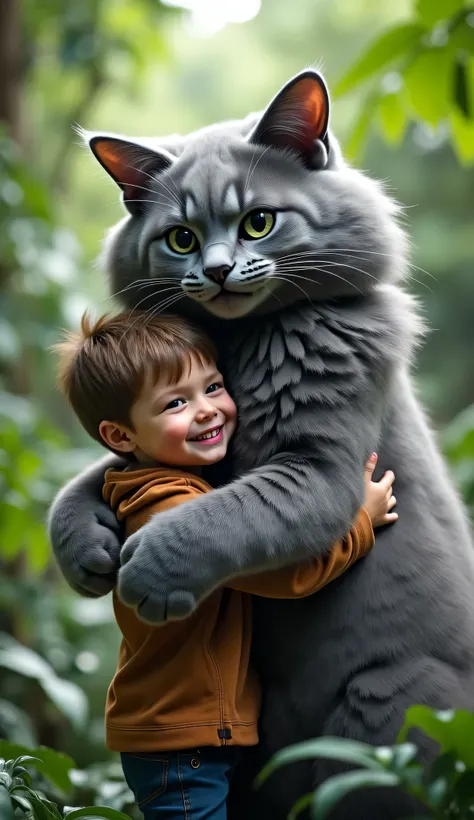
<point x="10" y="67"/>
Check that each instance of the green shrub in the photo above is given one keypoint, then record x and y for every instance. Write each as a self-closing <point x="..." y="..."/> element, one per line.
<point x="446" y="786"/>
<point x="18" y="798"/>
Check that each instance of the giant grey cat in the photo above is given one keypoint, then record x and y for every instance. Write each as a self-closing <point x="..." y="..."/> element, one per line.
<point x="293" y="261"/>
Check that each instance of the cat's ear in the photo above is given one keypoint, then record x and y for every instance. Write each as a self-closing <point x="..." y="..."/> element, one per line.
<point x="297" y="119"/>
<point x="130" y="165"/>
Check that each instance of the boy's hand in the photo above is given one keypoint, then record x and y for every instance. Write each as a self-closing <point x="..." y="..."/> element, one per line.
<point x="378" y="495"/>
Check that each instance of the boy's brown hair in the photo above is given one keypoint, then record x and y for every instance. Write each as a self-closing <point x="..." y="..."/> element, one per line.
<point x="102" y="369"/>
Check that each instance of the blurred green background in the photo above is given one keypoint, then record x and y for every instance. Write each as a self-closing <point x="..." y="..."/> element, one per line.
<point x="404" y="110"/>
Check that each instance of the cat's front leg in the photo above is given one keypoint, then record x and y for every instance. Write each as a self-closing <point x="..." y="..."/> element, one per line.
<point x="289" y="509"/>
<point x="85" y="534"/>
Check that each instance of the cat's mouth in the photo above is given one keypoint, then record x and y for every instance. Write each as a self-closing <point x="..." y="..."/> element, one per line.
<point x="229" y="304"/>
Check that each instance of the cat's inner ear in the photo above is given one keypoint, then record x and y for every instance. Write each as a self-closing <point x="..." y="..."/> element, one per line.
<point x="297" y="119"/>
<point x="132" y="166"/>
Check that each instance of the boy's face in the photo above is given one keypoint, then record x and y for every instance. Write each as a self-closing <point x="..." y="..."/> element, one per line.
<point x="187" y="424"/>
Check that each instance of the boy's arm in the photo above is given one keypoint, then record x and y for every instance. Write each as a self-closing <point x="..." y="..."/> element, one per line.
<point x="301" y="580"/>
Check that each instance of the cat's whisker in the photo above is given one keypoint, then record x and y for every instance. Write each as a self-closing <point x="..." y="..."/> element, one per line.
<point x="249" y="169"/>
<point x="285" y="279"/>
<point x="335" y="265"/>
<point x="149" y="313"/>
<point x="167" y="304"/>
<point x="156" y="179"/>
<point x="371" y="275"/>
<point x="340" y="251"/>
<point x="290" y="275"/>
<point x="140" y="283"/>
<point x="141" y="315"/>
<point x="175" y="287"/>
<point x="255" y="165"/>
<point x="148" y="190"/>
<point x="271" y="293"/>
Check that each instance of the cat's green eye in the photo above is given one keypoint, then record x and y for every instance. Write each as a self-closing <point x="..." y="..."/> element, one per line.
<point x="257" y="224"/>
<point x="181" y="240"/>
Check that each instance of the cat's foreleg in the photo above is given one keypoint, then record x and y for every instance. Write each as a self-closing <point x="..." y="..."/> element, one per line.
<point x="84" y="532"/>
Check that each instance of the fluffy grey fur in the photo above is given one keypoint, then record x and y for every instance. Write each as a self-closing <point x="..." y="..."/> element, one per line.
<point x="316" y="336"/>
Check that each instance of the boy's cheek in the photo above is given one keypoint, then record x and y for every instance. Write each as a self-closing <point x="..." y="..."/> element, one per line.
<point x="177" y="431"/>
<point x="230" y="410"/>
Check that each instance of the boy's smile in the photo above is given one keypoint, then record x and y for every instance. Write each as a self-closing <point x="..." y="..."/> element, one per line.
<point x="187" y="424"/>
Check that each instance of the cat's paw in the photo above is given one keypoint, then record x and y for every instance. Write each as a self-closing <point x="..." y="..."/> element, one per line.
<point x="87" y="548"/>
<point x="146" y="583"/>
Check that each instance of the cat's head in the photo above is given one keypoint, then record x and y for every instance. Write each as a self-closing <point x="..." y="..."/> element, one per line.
<point x="248" y="216"/>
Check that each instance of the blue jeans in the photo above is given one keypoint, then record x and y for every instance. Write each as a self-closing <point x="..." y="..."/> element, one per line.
<point x="187" y="785"/>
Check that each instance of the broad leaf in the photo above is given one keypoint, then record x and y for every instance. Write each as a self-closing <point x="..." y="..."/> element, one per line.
<point x="462" y="96"/>
<point x="452" y="730"/>
<point x="332" y="748"/>
<point x="54" y="765"/>
<point x="93" y="812"/>
<point x="354" y="142"/>
<point x="300" y="805"/>
<point x="463" y="792"/>
<point x="429" y="82"/>
<point x="67" y="696"/>
<point x="15" y="724"/>
<point x="432" y="11"/>
<point x="463" y="134"/>
<point x="389" y="47"/>
<point x="6" y="809"/>
<point x="393" y="117"/>
<point x="337" y="787"/>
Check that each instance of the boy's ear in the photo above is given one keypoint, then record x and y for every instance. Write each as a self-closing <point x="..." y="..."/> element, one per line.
<point x="117" y="437"/>
<point x="130" y="165"/>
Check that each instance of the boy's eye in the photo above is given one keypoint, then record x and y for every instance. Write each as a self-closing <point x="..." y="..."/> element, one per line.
<point x="175" y="403"/>
<point x="214" y="386"/>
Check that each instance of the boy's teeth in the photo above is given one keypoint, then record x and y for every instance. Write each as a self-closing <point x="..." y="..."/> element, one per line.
<point x="212" y="434"/>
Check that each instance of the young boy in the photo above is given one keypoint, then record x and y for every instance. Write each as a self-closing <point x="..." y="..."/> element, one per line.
<point x="184" y="700"/>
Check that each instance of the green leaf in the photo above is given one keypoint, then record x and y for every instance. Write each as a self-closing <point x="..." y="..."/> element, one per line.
<point x="6" y="809"/>
<point x="335" y="788"/>
<point x="459" y="435"/>
<point x="15" y="724"/>
<point x="463" y="134"/>
<point x="403" y="755"/>
<point x="393" y="118"/>
<point x="44" y="809"/>
<point x="93" y="812"/>
<point x="436" y="792"/>
<point x="67" y="696"/>
<point x="332" y="748"/>
<point x="52" y="764"/>
<point x="432" y="11"/>
<point x="461" y="38"/>
<point x="463" y="791"/>
<point x="429" y="81"/>
<point x="461" y="89"/>
<point x="452" y="730"/>
<point x="354" y="142"/>
<point x="20" y="801"/>
<point x="300" y="805"/>
<point x="389" y="47"/>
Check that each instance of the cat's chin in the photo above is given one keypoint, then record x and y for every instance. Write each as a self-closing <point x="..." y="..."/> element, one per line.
<point x="231" y="305"/>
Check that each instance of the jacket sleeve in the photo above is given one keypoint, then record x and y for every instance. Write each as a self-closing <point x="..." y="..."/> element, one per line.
<point x="137" y="519"/>
<point x="301" y="580"/>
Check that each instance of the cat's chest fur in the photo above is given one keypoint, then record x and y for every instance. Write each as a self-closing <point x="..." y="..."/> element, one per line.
<point x="287" y="372"/>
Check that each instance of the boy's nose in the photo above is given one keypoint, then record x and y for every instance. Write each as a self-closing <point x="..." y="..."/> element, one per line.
<point x="206" y="411"/>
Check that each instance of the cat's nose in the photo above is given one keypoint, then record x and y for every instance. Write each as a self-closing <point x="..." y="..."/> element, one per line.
<point x="218" y="274"/>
